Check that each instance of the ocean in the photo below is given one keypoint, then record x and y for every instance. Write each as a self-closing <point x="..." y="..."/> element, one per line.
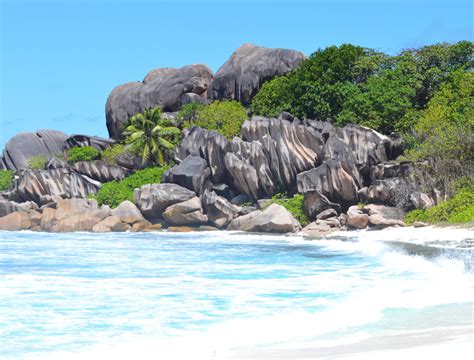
<point x="235" y="295"/>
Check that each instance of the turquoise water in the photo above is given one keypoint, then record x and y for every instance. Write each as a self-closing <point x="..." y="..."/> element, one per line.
<point x="213" y="293"/>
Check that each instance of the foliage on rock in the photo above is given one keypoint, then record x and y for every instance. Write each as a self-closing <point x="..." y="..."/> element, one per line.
<point x="78" y="153"/>
<point x="226" y="117"/>
<point x="6" y="179"/>
<point x="113" y="193"/>
<point x="37" y="162"/>
<point x="294" y="205"/>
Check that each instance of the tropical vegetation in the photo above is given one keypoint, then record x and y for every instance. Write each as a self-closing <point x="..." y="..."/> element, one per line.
<point x="85" y="153"/>
<point x="6" y="179"/>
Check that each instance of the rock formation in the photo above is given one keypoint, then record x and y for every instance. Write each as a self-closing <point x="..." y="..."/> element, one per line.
<point x="248" y="68"/>
<point x="165" y="87"/>
<point x="22" y="147"/>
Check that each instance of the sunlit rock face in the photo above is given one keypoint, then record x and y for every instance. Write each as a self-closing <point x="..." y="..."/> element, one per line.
<point x="165" y="87"/>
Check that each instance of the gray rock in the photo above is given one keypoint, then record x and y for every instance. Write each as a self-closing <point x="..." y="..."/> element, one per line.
<point x="379" y="222"/>
<point x="387" y="212"/>
<point x="274" y="219"/>
<point x="316" y="228"/>
<point x="332" y="181"/>
<point x="22" y="147"/>
<point x="223" y="190"/>
<point x="163" y="87"/>
<point x="153" y="199"/>
<point x="240" y="199"/>
<point x="185" y="213"/>
<point x="41" y="185"/>
<point x="242" y="75"/>
<point x="220" y="211"/>
<point x="192" y="173"/>
<point x="100" y="171"/>
<point x="323" y="215"/>
<point x="55" y="163"/>
<point x="8" y="207"/>
<point x="127" y="212"/>
<point x="96" y="142"/>
<point x="314" y="203"/>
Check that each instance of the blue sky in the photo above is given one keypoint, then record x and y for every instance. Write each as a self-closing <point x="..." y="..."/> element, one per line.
<point x="61" y="59"/>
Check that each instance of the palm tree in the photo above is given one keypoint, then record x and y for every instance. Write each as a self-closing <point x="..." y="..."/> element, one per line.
<point x="150" y="136"/>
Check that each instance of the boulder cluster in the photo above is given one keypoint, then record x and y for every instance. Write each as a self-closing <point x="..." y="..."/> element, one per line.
<point x="219" y="183"/>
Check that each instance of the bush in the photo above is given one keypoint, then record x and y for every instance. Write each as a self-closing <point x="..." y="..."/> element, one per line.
<point x="115" y="192"/>
<point x="111" y="153"/>
<point x="6" y="179"/>
<point x="37" y="162"/>
<point x="458" y="209"/>
<point x="187" y="114"/>
<point x="294" y="205"/>
<point x="86" y="153"/>
<point x="225" y="117"/>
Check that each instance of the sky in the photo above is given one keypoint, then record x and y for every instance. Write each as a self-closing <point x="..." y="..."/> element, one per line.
<point x="59" y="60"/>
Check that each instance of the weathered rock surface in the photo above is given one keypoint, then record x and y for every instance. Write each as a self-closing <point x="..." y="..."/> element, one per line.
<point x="219" y="210"/>
<point x="111" y="223"/>
<point x="381" y="216"/>
<point x="83" y="221"/>
<point x="68" y="207"/>
<point x="356" y="218"/>
<point x="274" y="218"/>
<point x="20" y="148"/>
<point x="55" y="163"/>
<point x="100" y="171"/>
<point x="15" y="221"/>
<point x="242" y="75"/>
<point x="96" y="142"/>
<point x="331" y="180"/>
<point x="321" y="227"/>
<point x="163" y="87"/>
<point x="185" y="213"/>
<point x="192" y="173"/>
<point x="314" y="203"/>
<point x="127" y="212"/>
<point x="8" y="207"/>
<point x="42" y="185"/>
<point x="153" y="199"/>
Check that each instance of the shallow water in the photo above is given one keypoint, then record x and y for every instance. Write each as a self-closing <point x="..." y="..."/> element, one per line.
<point x="219" y="294"/>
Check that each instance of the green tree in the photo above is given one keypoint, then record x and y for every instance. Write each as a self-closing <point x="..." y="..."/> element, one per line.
<point x="150" y="136"/>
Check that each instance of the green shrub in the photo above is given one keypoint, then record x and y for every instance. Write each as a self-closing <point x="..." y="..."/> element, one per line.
<point x="226" y="117"/>
<point x="86" y="153"/>
<point x="6" y="179"/>
<point x="111" y="153"/>
<point x="458" y="209"/>
<point x="37" y="162"/>
<point x="187" y="114"/>
<point x="115" y="192"/>
<point x="294" y="205"/>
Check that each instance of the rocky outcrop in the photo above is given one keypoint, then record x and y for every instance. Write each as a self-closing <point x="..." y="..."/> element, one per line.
<point x="100" y="171"/>
<point x="41" y="186"/>
<point x="192" y="173"/>
<point x="96" y="142"/>
<point x="331" y="180"/>
<point x="314" y="203"/>
<point x="219" y="210"/>
<point x="22" y="147"/>
<point x="165" y="87"/>
<point x="242" y="75"/>
<point x="153" y="199"/>
<point x="185" y="213"/>
<point x="111" y="223"/>
<point x="274" y="218"/>
<point x="8" y="207"/>
<point x="356" y="218"/>
<point x="56" y="163"/>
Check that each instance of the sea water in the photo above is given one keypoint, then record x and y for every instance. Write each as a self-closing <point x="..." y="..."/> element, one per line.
<point x="222" y="294"/>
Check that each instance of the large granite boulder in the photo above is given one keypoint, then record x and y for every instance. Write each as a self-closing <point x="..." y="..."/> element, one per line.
<point x="274" y="219"/>
<point x="41" y="186"/>
<point x="219" y="210"/>
<point x="185" y="213"/>
<point x="331" y="180"/>
<point x="101" y="171"/>
<point x="96" y="142"/>
<point x="357" y="218"/>
<point x="110" y="223"/>
<point x="192" y="173"/>
<point x="83" y="221"/>
<point x="242" y="75"/>
<point x="153" y="199"/>
<point x="163" y="87"/>
<point x="20" y="148"/>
